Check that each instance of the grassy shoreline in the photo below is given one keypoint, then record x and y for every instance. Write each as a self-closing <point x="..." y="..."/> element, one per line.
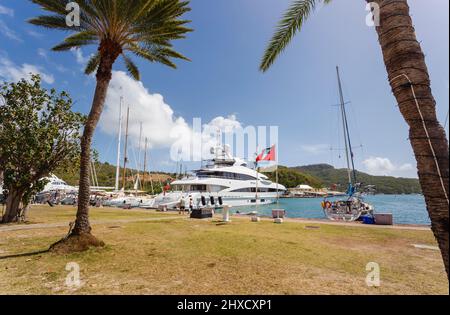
<point x="155" y="253"/>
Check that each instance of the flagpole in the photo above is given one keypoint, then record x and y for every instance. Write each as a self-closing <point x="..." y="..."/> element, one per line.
<point x="278" y="193"/>
<point x="257" y="180"/>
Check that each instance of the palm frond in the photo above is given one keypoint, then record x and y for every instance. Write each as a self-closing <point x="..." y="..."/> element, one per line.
<point x="53" y="22"/>
<point x="55" y="6"/>
<point x="157" y="53"/>
<point x="92" y="64"/>
<point x="132" y="68"/>
<point x="144" y="27"/>
<point x="77" y="40"/>
<point x="291" y="23"/>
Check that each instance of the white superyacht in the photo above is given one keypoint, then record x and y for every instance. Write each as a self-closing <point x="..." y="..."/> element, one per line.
<point x="225" y="180"/>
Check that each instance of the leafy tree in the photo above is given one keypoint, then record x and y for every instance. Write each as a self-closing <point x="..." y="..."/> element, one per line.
<point x="144" y="28"/>
<point x="38" y="133"/>
<point x="410" y="83"/>
<point x="291" y="178"/>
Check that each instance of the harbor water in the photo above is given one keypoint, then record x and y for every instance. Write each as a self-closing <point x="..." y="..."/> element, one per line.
<point x="406" y="209"/>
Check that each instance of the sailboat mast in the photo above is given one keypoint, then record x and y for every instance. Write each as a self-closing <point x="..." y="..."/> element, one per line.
<point x="145" y="163"/>
<point x="139" y="184"/>
<point x="116" y="187"/>
<point x="125" y="159"/>
<point x="341" y="95"/>
<point x="350" y="147"/>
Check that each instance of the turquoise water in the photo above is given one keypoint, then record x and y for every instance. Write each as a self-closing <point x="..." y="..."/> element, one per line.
<point x="406" y="209"/>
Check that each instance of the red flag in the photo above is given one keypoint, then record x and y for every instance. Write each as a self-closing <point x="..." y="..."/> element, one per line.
<point x="267" y="155"/>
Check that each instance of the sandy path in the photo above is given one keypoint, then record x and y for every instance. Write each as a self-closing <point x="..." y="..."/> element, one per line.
<point x="351" y="224"/>
<point x="241" y="217"/>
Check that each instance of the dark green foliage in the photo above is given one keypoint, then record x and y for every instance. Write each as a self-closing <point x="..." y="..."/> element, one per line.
<point x="106" y="175"/>
<point x="291" y="178"/>
<point x="145" y="28"/>
<point x="291" y="23"/>
<point x="38" y="133"/>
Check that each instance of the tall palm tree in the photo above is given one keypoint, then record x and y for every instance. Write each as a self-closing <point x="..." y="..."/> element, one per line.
<point x="410" y="82"/>
<point x="144" y="28"/>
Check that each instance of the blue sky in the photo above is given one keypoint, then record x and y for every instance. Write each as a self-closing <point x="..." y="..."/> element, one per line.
<point x="223" y="80"/>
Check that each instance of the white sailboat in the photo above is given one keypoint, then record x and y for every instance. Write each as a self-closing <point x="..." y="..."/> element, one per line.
<point x="354" y="206"/>
<point x="121" y="198"/>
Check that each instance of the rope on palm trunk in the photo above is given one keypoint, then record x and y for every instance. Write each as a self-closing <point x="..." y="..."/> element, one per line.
<point x="426" y="132"/>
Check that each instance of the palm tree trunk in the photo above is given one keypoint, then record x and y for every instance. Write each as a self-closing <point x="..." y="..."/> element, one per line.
<point x="104" y="74"/>
<point x="410" y="82"/>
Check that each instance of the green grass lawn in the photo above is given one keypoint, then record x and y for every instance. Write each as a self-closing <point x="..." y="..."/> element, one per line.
<point x="183" y="256"/>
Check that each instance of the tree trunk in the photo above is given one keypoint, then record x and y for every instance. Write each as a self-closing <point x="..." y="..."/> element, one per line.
<point x="104" y="74"/>
<point x="410" y="82"/>
<point x="12" y="206"/>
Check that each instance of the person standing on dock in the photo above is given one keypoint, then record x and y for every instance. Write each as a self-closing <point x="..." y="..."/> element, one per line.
<point x="182" y="205"/>
<point x="191" y="204"/>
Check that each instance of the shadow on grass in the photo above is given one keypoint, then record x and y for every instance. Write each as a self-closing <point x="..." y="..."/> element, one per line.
<point x="25" y="254"/>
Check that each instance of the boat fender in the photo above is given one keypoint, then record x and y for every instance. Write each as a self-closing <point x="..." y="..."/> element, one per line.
<point x="203" y="201"/>
<point x="326" y="204"/>
<point x="213" y="202"/>
<point x="220" y="200"/>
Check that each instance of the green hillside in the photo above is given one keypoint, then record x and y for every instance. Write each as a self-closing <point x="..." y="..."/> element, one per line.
<point x="291" y="178"/>
<point x="317" y="176"/>
<point x="384" y="184"/>
<point x="106" y="175"/>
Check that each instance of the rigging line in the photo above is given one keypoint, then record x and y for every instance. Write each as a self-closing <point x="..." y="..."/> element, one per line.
<point x="446" y="120"/>
<point x="352" y="155"/>
<point x="426" y="132"/>
<point x="348" y="144"/>
<point x="355" y="124"/>
<point x="100" y="168"/>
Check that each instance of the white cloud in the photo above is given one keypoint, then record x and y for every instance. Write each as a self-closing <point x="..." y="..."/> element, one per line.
<point x="6" y="31"/>
<point x="384" y="166"/>
<point x="158" y="119"/>
<point x="9" y="71"/>
<point x="42" y="52"/>
<point x="35" y="34"/>
<point x="225" y="124"/>
<point x="160" y="125"/>
<point x="81" y="59"/>
<point x="6" y="11"/>
<point x="315" y="148"/>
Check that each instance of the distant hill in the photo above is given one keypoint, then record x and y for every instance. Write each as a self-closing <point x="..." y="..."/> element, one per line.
<point x="106" y="175"/>
<point x="317" y="176"/>
<point x="384" y="184"/>
<point x="291" y="178"/>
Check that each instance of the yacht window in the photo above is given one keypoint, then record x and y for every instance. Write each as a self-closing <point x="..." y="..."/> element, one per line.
<point x="198" y="188"/>
<point x="224" y="175"/>
<point x="216" y="188"/>
<point x="248" y="189"/>
<point x="253" y="189"/>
